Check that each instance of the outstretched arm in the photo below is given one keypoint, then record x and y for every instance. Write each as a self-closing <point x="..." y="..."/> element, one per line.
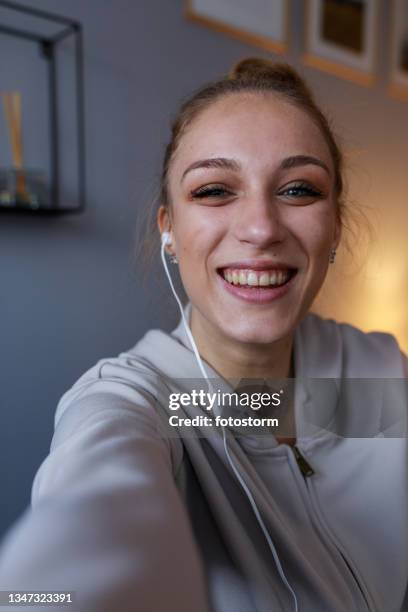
<point x="107" y="520"/>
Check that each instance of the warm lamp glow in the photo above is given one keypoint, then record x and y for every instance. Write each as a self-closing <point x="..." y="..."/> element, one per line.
<point x="376" y="297"/>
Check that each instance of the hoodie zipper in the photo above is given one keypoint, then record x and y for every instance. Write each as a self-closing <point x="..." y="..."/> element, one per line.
<point x="307" y="471"/>
<point x="304" y="466"/>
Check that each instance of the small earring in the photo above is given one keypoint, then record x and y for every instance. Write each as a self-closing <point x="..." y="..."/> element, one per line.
<point x="332" y="256"/>
<point x="173" y="259"/>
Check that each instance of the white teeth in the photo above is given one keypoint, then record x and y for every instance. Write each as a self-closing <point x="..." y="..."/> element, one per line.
<point x="252" y="279"/>
<point x="264" y="279"/>
<point x="255" y="278"/>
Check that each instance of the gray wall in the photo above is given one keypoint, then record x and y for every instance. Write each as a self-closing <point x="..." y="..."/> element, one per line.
<point x="70" y="290"/>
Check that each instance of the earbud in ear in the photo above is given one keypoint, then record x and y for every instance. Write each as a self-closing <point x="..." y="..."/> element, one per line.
<point x="166" y="238"/>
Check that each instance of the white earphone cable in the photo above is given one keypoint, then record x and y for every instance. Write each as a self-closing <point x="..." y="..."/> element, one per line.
<point x="164" y="241"/>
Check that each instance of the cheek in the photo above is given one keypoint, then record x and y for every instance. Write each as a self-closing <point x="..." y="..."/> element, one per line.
<point x="198" y="238"/>
<point x="316" y="232"/>
<point x="198" y="234"/>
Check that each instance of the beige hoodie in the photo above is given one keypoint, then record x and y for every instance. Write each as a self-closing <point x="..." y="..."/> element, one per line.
<point x="134" y="515"/>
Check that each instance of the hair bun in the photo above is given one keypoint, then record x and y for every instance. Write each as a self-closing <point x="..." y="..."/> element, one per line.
<point x="259" y="69"/>
<point x="251" y="68"/>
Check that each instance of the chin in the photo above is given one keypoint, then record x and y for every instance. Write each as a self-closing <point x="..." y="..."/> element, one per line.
<point x="263" y="330"/>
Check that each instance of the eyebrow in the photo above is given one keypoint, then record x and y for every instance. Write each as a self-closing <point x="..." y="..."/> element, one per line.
<point x="303" y="160"/>
<point x="231" y="164"/>
<point x="214" y="162"/>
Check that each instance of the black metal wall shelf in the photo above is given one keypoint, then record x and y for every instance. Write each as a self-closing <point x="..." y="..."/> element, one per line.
<point x="48" y="45"/>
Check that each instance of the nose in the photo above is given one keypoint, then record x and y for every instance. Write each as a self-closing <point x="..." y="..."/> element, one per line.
<point x="259" y="221"/>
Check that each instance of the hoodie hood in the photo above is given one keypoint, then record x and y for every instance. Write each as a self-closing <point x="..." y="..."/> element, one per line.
<point x="327" y="355"/>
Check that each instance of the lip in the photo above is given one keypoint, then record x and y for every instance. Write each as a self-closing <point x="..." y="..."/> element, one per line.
<point x="254" y="295"/>
<point x="257" y="264"/>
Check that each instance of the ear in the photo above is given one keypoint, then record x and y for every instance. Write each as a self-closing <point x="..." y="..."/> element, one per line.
<point x="164" y="223"/>
<point x="163" y="220"/>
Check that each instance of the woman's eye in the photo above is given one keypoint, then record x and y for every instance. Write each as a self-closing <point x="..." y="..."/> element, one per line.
<point x="214" y="191"/>
<point x="301" y="190"/>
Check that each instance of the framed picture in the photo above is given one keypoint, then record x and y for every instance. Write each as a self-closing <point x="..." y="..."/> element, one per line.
<point x="263" y="23"/>
<point x="399" y="50"/>
<point x="341" y="36"/>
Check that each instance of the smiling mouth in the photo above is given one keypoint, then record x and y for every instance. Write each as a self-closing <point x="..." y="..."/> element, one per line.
<point x="257" y="279"/>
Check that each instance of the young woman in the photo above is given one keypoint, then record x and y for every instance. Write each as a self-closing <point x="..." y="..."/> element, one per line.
<point x="134" y="512"/>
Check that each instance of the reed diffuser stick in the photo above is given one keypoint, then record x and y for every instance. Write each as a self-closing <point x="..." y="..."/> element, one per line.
<point x="12" y="111"/>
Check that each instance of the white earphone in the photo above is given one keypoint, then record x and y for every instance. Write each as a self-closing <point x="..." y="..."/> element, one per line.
<point x="166" y="240"/>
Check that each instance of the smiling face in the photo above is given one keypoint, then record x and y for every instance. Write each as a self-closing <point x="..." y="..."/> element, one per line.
<point x="253" y="216"/>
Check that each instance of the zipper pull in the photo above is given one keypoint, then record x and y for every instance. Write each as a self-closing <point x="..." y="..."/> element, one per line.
<point x="304" y="466"/>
